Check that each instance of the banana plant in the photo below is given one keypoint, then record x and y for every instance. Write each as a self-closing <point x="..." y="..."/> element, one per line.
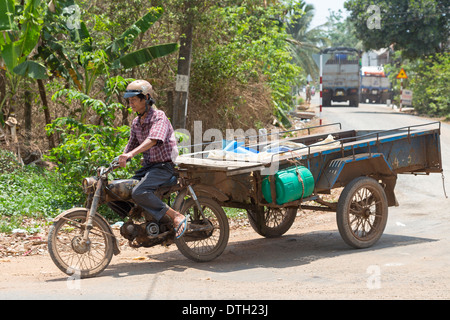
<point x="20" y="27"/>
<point x="90" y="62"/>
<point x="116" y="51"/>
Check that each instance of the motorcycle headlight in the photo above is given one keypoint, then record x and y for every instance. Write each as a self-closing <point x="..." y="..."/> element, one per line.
<point x="88" y="184"/>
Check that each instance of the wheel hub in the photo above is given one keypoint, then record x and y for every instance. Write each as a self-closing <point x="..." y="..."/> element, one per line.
<point x="366" y="213"/>
<point x="80" y="246"/>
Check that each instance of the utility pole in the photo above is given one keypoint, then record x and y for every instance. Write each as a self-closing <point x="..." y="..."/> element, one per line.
<point x="180" y="101"/>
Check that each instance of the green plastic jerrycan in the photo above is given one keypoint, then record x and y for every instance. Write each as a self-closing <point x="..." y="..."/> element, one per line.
<point x="288" y="186"/>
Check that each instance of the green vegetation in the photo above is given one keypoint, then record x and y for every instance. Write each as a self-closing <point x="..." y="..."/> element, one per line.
<point x="31" y="192"/>
<point x="416" y="27"/>
<point x="250" y="47"/>
<point x="431" y="85"/>
<point x="428" y="78"/>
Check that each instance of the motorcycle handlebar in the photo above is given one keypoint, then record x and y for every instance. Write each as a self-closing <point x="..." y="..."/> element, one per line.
<point x="113" y="165"/>
<point x="115" y="162"/>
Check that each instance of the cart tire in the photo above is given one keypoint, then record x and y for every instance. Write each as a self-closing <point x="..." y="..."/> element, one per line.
<point x="211" y="245"/>
<point x="277" y="221"/>
<point x="362" y="212"/>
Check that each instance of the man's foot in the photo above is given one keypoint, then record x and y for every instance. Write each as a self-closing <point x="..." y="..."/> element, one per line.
<point x="179" y="222"/>
<point x="182" y="226"/>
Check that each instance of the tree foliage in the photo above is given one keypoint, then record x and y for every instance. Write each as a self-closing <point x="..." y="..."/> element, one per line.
<point x="20" y="28"/>
<point x="428" y="78"/>
<point x="244" y="42"/>
<point x="304" y="40"/>
<point x="341" y="31"/>
<point x="431" y="85"/>
<point x="416" y="27"/>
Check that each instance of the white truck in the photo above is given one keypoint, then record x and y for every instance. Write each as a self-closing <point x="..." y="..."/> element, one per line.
<point x="341" y="75"/>
<point x="375" y="86"/>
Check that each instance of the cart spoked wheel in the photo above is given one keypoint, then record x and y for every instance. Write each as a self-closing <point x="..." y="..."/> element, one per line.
<point x="362" y="212"/>
<point x="272" y="222"/>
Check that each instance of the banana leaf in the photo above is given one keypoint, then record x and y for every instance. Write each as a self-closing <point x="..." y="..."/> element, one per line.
<point x="144" y="55"/>
<point x="31" y="27"/>
<point x="121" y="44"/>
<point x="10" y="54"/>
<point x="7" y="8"/>
<point x="31" y="69"/>
<point x="17" y="44"/>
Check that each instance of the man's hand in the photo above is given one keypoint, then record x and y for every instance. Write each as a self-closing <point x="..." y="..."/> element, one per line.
<point x="123" y="158"/>
<point x="144" y="146"/>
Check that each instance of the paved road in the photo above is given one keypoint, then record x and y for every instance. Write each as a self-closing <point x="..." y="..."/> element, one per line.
<point x="411" y="260"/>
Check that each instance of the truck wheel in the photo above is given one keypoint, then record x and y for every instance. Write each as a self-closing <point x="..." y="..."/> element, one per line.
<point x="362" y="212"/>
<point x="354" y="102"/>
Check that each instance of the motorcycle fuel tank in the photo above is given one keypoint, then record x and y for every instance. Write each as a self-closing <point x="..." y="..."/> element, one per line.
<point x="121" y="189"/>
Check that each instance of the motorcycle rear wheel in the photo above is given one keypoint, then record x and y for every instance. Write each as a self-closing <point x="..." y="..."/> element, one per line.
<point x="70" y="255"/>
<point x="203" y="246"/>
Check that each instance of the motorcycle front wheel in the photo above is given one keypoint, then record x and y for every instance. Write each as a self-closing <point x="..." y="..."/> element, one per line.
<point x="71" y="254"/>
<point x="205" y="239"/>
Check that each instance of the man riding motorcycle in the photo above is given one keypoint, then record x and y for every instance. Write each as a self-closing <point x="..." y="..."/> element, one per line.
<point x="152" y="135"/>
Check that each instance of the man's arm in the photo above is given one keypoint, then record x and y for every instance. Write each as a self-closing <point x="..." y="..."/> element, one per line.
<point x="144" y="146"/>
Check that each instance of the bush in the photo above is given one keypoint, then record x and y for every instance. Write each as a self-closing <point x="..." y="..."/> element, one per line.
<point x="8" y="162"/>
<point x="249" y="48"/>
<point x="431" y="85"/>
<point x="86" y="147"/>
<point x="428" y="78"/>
<point x="31" y="192"/>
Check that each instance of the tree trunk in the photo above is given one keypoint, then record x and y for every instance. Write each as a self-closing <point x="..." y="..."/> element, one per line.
<point x="27" y="115"/>
<point x="2" y="95"/>
<point x="125" y="121"/>
<point x="48" y="119"/>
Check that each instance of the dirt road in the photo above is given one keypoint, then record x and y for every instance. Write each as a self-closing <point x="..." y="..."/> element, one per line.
<point x="411" y="260"/>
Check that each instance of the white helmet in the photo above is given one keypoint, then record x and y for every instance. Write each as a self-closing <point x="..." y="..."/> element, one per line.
<point x="138" y="87"/>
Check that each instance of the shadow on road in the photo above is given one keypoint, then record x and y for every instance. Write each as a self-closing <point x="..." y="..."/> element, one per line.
<point x="287" y="251"/>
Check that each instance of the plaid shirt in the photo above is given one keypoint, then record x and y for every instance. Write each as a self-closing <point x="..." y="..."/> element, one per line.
<point x="156" y="126"/>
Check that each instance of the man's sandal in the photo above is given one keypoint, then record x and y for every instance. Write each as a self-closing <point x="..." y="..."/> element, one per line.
<point x="183" y="224"/>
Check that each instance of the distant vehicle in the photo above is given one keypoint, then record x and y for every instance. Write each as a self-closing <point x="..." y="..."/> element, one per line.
<point x="341" y="75"/>
<point x="375" y="86"/>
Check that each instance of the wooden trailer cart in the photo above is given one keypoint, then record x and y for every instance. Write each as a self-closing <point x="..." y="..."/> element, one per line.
<point x="364" y="163"/>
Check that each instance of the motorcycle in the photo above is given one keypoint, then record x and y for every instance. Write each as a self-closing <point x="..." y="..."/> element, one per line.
<point x="82" y="242"/>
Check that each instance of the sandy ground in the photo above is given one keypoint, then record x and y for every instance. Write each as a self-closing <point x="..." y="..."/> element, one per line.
<point x="309" y="262"/>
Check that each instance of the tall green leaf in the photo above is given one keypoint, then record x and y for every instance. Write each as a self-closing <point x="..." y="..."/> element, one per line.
<point x="7" y="9"/>
<point x="144" y="55"/>
<point x="32" y="25"/>
<point x="31" y="69"/>
<point x="121" y="44"/>
<point x="10" y="54"/>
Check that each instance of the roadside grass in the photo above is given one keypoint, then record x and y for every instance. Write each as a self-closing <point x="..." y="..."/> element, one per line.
<point x="31" y="192"/>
